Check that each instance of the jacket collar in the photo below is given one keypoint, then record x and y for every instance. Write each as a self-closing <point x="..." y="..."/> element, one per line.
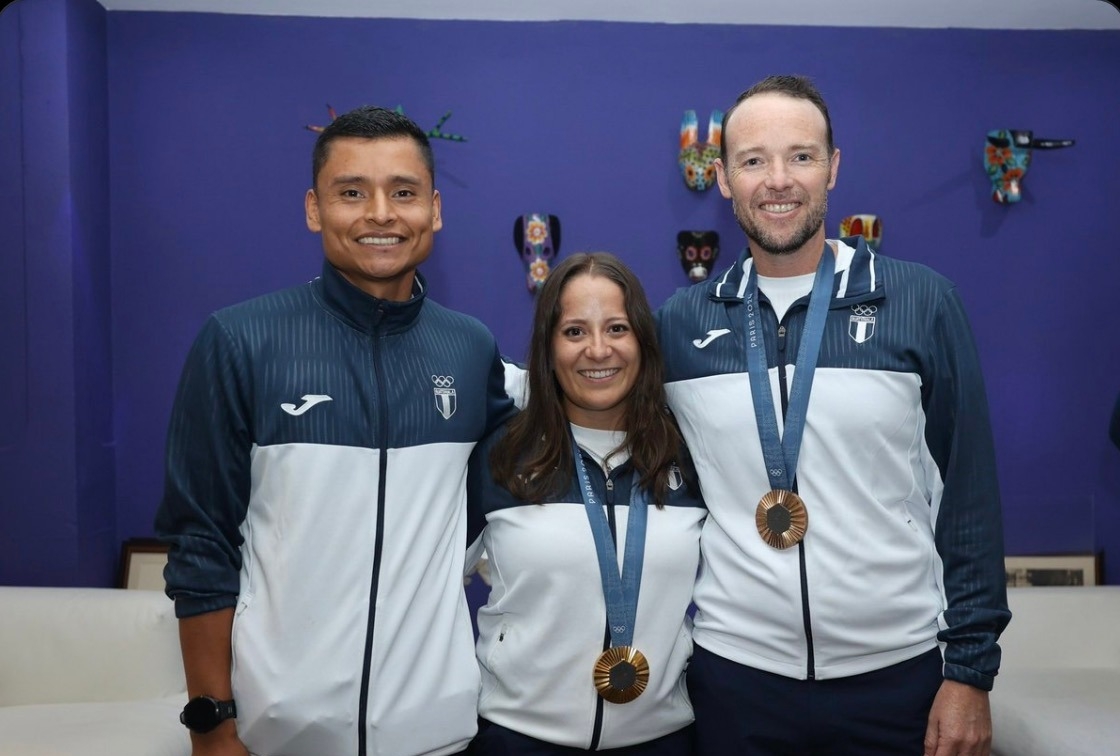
<point x="363" y="311"/>
<point x="856" y="279"/>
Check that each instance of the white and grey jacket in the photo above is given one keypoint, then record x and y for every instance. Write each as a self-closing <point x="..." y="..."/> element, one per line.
<point x="316" y="467"/>
<point x="545" y="623"/>
<point x="897" y="468"/>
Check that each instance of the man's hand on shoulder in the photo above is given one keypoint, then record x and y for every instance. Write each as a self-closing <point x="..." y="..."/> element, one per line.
<point x="960" y="722"/>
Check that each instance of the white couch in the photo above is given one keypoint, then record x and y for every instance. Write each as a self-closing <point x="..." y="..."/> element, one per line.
<point x="1058" y="689"/>
<point x="90" y="672"/>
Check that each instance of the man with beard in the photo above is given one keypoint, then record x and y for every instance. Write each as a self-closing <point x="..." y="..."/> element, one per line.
<point x="852" y="589"/>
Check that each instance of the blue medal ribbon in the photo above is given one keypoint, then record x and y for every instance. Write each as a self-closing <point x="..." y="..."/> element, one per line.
<point x="619" y="591"/>
<point x="781" y="452"/>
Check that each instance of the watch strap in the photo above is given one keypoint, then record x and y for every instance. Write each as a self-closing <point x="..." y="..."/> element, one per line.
<point x="226" y="709"/>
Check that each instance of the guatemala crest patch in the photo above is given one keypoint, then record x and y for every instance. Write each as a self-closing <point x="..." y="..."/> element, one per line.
<point x="445" y="395"/>
<point x="861" y="325"/>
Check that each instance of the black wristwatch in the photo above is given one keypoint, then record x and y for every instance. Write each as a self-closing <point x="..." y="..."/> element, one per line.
<point x="203" y="713"/>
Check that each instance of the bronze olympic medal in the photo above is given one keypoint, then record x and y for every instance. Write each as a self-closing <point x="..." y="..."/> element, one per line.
<point x="621" y="674"/>
<point x="781" y="518"/>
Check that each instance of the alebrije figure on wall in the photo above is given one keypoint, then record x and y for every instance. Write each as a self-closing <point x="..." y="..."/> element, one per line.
<point x="319" y="129"/>
<point x="537" y="239"/>
<point x="1007" y="157"/>
<point x="696" y="158"/>
<point x="436" y="132"/>
<point x="870" y="227"/>
<point x="698" y="251"/>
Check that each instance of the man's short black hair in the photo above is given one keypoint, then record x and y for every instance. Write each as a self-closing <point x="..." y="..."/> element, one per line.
<point x="371" y="122"/>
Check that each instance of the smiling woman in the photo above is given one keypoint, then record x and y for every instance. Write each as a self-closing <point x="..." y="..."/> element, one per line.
<point x="596" y="355"/>
<point x="591" y="470"/>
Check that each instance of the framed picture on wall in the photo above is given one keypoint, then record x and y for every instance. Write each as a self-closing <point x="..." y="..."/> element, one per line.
<point x="1059" y="569"/>
<point x="142" y="562"/>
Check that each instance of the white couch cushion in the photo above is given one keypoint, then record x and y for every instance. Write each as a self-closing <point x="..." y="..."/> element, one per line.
<point x="1056" y="712"/>
<point x="1062" y="627"/>
<point x="71" y="645"/>
<point x="1058" y="689"/>
<point x="134" y="728"/>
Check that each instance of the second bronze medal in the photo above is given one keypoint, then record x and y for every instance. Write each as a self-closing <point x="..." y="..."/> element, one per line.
<point x="781" y="518"/>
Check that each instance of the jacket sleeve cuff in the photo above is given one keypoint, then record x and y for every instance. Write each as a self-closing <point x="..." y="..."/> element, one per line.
<point x="192" y="606"/>
<point x="968" y="676"/>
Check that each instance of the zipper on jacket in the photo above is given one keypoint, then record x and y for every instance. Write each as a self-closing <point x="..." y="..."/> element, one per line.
<point x="382" y="468"/>
<point x="806" y="617"/>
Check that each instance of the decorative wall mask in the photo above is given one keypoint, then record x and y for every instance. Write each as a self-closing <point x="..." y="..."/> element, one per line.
<point x="319" y="129"/>
<point x="436" y="132"/>
<point x="697" y="159"/>
<point x="1007" y="156"/>
<point x="698" y="251"/>
<point x="867" y="226"/>
<point x="537" y="238"/>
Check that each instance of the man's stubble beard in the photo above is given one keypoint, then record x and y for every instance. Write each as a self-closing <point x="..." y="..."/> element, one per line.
<point x="765" y="242"/>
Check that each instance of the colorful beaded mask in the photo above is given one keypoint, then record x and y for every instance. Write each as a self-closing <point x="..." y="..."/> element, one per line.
<point x="537" y="239"/>
<point x="698" y="251"/>
<point x="1007" y="157"/>
<point x="867" y="226"/>
<point x="697" y="159"/>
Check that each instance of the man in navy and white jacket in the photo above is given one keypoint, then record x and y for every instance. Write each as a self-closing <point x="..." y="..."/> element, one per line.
<point x="875" y="633"/>
<point x="315" y="490"/>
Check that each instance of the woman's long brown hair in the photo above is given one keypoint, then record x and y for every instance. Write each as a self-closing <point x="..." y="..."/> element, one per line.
<point x="533" y="461"/>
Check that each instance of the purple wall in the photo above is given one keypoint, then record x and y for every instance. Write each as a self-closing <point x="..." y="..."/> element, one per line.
<point x="95" y="460"/>
<point x="209" y="160"/>
<point x="57" y="504"/>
